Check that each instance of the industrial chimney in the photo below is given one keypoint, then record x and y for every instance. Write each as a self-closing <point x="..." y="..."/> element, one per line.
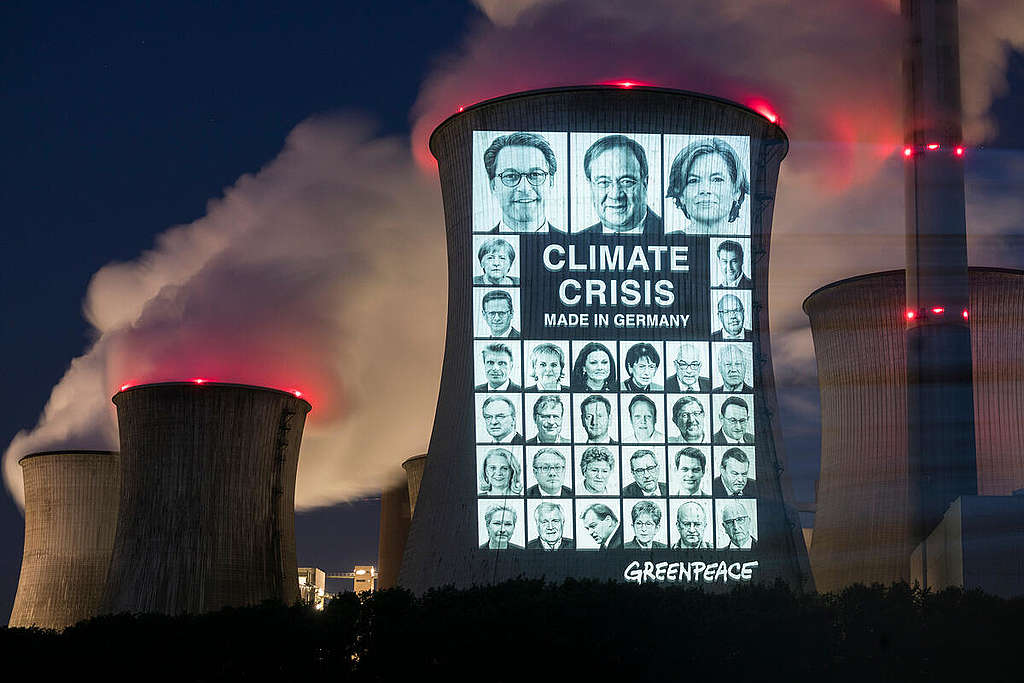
<point x="207" y="497"/>
<point x="940" y="403"/>
<point x="71" y="502"/>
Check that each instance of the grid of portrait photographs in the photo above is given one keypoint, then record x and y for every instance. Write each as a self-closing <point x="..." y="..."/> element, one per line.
<point x="612" y="444"/>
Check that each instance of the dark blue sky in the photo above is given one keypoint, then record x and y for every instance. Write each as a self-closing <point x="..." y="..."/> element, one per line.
<point x="119" y="122"/>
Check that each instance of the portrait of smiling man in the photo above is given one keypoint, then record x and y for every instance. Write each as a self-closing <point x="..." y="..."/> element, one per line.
<point x="618" y="174"/>
<point x="521" y="171"/>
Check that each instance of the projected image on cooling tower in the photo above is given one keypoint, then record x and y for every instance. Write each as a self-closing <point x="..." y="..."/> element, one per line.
<point x="613" y="313"/>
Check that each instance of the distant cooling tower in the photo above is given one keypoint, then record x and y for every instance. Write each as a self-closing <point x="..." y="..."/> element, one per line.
<point x="207" y="498"/>
<point x="414" y="476"/>
<point x="394" y="528"/>
<point x="862" y="525"/>
<point x="70" y="514"/>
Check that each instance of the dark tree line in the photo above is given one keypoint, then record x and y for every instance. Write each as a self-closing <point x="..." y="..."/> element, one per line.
<point x="528" y="630"/>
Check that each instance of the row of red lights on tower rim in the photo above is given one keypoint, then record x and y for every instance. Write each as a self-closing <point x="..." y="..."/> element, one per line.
<point x="201" y="380"/>
<point x="923" y="313"/>
<point x="910" y="150"/>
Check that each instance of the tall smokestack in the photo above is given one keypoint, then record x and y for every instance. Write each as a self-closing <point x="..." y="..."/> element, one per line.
<point x="940" y="404"/>
<point x="207" y="498"/>
<point x="71" y="502"/>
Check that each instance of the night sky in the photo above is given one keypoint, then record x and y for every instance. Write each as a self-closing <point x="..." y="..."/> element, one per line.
<point x="119" y="123"/>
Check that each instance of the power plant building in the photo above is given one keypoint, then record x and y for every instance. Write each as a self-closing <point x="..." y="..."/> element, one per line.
<point x="862" y="530"/>
<point x="607" y="405"/>
<point x="207" y="498"/>
<point x="71" y="500"/>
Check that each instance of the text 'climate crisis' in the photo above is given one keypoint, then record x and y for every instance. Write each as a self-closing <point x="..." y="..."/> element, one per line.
<point x="615" y="259"/>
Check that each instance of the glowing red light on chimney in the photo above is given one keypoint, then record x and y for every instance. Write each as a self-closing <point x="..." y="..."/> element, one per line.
<point x="625" y="84"/>
<point x="959" y="151"/>
<point x="462" y="109"/>
<point x="964" y="314"/>
<point x="198" y="380"/>
<point x="908" y="151"/>
<point x="938" y="310"/>
<point x="298" y="394"/>
<point x="932" y="145"/>
<point x="911" y="315"/>
<point x="126" y="386"/>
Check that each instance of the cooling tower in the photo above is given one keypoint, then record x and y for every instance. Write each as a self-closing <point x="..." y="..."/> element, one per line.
<point x="207" y="498"/>
<point x="863" y="521"/>
<point x="70" y="514"/>
<point x="394" y="527"/>
<point x="607" y="405"/>
<point x="414" y="477"/>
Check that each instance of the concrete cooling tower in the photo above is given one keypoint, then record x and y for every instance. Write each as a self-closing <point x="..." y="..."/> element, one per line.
<point x="607" y="405"/>
<point x="71" y="502"/>
<point x="207" y="497"/>
<point x="862" y="530"/>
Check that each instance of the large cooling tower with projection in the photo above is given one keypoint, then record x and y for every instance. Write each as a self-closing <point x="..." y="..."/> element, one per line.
<point x="862" y="530"/>
<point x="607" y="405"/>
<point x="71" y="500"/>
<point x="207" y="497"/>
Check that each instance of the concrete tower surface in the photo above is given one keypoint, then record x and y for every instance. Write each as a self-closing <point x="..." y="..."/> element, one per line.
<point x="394" y="528"/>
<point x="71" y="500"/>
<point x="940" y="424"/>
<point x="207" y="497"/>
<point x="863" y="524"/>
<point x="626" y="233"/>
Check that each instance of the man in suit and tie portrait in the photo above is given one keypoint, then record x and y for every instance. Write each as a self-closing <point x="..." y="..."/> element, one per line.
<point x="521" y="170"/>
<point x="550" y="524"/>
<point x="689" y="363"/>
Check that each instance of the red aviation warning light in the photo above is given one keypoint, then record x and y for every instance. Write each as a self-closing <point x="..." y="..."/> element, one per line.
<point x="964" y="313"/>
<point x="908" y="151"/>
<point x="910" y="315"/>
<point x="932" y="145"/>
<point x="959" y="151"/>
<point x="938" y="310"/>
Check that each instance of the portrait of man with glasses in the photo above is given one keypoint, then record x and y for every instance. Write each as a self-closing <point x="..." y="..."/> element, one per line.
<point x="497" y="314"/>
<point x="737" y="521"/>
<point x="733" y="369"/>
<point x="521" y="171"/>
<point x="549" y="469"/>
<point x="732" y="314"/>
<point x="689" y="364"/>
<point x="645" y="466"/>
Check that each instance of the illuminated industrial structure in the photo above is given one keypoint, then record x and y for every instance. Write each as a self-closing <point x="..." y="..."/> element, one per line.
<point x="453" y="538"/>
<point x="863" y="522"/>
<point x="71" y="500"/>
<point x="312" y="586"/>
<point x="207" y="497"/>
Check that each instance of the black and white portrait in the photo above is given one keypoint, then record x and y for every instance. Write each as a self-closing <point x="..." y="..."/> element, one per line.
<point x="496" y="313"/>
<point x="616" y="187"/>
<point x="687" y="367"/>
<point x="643" y="472"/>
<point x="730" y="315"/>
<point x="646" y="528"/>
<point x="596" y="470"/>
<point x="737" y="524"/>
<point x="690" y="471"/>
<point x="730" y="263"/>
<point x="550" y="525"/>
<point x="690" y="417"/>
<point x="733" y="366"/>
<point x="733" y="416"/>
<point x="548" y="471"/>
<point x="501" y="524"/>
<point x="599" y="524"/>
<point x="643" y="418"/>
<point x="550" y="422"/>
<point x="734" y="472"/>
<point x="693" y="524"/>
<point x="497" y="366"/>
<point x="519" y="182"/>
<point x="594" y="367"/>
<point x="499" y="471"/>
<point x="643" y="367"/>
<point x="707" y="187"/>
<point x="597" y="418"/>
<point x="546" y="365"/>
<point x="496" y="262"/>
<point x="499" y="419"/>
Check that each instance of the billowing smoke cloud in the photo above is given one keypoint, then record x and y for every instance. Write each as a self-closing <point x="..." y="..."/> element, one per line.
<point x="325" y="271"/>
